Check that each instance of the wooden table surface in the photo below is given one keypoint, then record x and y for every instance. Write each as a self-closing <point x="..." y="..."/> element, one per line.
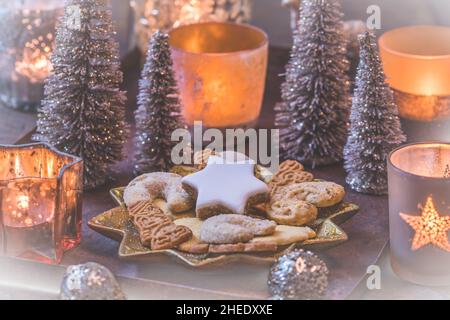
<point x="368" y="230"/>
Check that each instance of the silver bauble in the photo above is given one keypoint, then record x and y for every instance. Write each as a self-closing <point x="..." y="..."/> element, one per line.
<point x="298" y="274"/>
<point x="90" y="281"/>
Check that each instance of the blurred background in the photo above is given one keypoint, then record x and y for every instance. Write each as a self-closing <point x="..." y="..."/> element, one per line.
<point x="274" y="19"/>
<point x="25" y="53"/>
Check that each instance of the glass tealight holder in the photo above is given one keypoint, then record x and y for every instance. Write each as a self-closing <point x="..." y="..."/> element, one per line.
<point x="417" y="65"/>
<point x="419" y="212"/>
<point x="40" y="202"/>
<point x="221" y="73"/>
<point x="27" y="35"/>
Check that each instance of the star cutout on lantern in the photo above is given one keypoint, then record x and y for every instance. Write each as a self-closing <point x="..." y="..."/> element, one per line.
<point x="226" y="183"/>
<point x="447" y="172"/>
<point x="430" y="227"/>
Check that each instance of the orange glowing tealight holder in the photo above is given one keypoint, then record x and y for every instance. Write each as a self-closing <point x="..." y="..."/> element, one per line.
<point x="419" y="212"/>
<point x="221" y="72"/>
<point x="40" y="202"/>
<point x="417" y="65"/>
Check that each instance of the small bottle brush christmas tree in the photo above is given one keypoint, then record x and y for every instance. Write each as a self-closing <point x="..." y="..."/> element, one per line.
<point x="83" y="109"/>
<point x="375" y="127"/>
<point x="313" y="115"/>
<point x="158" y="113"/>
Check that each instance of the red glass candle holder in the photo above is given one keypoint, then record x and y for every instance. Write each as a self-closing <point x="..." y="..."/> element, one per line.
<point x="419" y="212"/>
<point x="40" y="201"/>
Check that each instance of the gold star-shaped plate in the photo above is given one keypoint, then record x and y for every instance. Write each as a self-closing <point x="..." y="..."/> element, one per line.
<point x="115" y="224"/>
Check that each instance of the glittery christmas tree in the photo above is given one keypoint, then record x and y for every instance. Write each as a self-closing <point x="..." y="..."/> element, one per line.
<point x="158" y="113"/>
<point x="83" y="109"/>
<point x="375" y="127"/>
<point x="313" y="115"/>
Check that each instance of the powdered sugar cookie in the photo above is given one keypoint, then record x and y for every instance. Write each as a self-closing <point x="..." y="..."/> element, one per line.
<point x="233" y="228"/>
<point x="158" y="185"/>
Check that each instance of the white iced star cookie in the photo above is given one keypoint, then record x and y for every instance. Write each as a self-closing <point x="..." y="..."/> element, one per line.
<point x="227" y="185"/>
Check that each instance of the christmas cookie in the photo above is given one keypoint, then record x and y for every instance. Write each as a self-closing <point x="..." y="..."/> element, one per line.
<point x="322" y="194"/>
<point x="283" y="236"/>
<point x="286" y="235"/>
<point x="183" y="170"/>
<point x="225" y="186"/>
<point x="234" y="228"/>
<point x="291" y="165"/>
<point x="156" y="229"/>
<point x="290" y="172"/>
<point x="201" y="158"/>
<point x="243" y="247"/>
<point x="158" y="185"/>
<point x="193" y="245"/>
<point x="142" y="206"/>
<point x="169" y="236"/>
<point x="291" y="211"/>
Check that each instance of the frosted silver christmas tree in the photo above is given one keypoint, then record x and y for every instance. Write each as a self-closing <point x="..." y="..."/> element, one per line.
<point x="83" y="109"/>
<point x="158" y="113"/>
<point x="375" y="128"/>
<point x="314" y="112"/>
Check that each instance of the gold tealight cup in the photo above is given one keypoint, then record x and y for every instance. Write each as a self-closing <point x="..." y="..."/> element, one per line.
<point x="417" y="65"/>
<point x="221" y="72"/>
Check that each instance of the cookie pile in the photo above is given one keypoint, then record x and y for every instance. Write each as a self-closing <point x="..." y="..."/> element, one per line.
<point x="213" y="206"/>
<point x="157" y="231"/>
<point x="295" y="197"/>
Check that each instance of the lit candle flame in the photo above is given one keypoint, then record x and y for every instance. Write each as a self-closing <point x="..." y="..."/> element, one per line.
<point x="23" y="202"/>
<point x="50" y="166"/>
<point x="17" y="167"/>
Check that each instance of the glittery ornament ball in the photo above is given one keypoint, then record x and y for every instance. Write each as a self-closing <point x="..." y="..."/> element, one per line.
<point x="298" y="275"/>
<point x="90" y="281"/>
